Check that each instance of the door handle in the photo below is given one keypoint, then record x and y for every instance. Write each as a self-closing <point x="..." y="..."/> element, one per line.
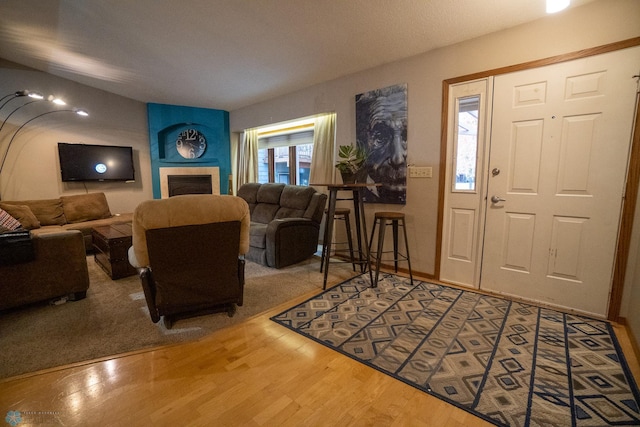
<point x="496" y="199"/>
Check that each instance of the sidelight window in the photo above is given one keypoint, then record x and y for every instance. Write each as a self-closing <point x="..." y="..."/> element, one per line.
<point x="466" y="144"/>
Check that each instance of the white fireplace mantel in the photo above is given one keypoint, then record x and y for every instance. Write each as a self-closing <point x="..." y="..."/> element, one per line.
<point x="212" y="171"/>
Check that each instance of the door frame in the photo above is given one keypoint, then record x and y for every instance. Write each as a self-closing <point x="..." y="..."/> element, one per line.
<point x="632" y="177"/>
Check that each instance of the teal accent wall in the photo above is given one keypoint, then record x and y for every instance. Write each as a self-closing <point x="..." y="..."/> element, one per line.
<point x="167" y="121"/>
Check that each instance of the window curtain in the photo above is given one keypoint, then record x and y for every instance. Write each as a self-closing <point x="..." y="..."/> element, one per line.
<point x="248" y="158"/>
<point x="322" y="167"/>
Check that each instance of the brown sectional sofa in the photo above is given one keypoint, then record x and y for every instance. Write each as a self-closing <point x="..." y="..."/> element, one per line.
<point x="58" y="270"/>
<point x="61" y="237"/>
<point x="77" y="212"/>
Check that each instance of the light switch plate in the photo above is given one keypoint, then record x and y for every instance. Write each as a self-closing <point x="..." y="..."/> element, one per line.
<point x="420" y="172"/>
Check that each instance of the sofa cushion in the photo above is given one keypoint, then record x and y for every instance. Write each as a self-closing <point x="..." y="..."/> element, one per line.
<point x="270" y="193"/>
<point x="264" y="213"/>
<point x="249" y="192"/>
<point x="48" y="211"/>
<point x="23" y="215"/>
<point x="87" y="226"/>
<point x="47" y="229"/>
<point x="85" y="207"/>
<point x="294" y="201"/>
<point x="268" y="203"/>
<point x="8" y="221"/>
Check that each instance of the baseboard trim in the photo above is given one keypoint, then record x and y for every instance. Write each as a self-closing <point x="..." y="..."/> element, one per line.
<point x="632" y="338"/>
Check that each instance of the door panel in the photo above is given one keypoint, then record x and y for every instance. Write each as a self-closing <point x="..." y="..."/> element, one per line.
<point x="575" y="154"/>
<point x="518" y="242"/>
<point x="560" y="137"/>
<point x="565" y="260"/>
<point x="462" y="234"/>
<point x="463" y="210"/>
<point x="525" y="148"/>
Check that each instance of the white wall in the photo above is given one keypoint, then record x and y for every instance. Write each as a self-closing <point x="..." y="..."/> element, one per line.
<point x="31" y="170"/>
<point x="594" y="24"/>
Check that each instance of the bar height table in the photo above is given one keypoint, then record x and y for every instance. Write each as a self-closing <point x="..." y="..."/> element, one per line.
<point x="361" y="223"/>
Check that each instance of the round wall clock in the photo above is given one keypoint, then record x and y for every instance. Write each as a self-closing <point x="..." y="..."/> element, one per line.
<point x="191" y="143"/>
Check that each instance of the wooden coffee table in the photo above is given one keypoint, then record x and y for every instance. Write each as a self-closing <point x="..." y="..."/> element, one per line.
<point x="110" y="246"/>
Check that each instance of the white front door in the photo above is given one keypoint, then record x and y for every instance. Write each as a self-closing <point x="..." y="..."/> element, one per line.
<point x="559" y="150"/>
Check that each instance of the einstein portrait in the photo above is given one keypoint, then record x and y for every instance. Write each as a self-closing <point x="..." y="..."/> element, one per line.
<point x="381" y="130"/>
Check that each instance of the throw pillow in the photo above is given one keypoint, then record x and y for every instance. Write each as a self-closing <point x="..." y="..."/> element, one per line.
<point x="23" y="215"/>
<point x="48" y="211"/>
<point x="8" y="221"/>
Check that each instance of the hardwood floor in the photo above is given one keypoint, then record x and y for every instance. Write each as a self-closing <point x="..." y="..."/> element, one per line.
<point x="256" y="373"/>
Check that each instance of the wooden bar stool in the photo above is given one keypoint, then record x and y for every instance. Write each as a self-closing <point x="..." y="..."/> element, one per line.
<point x="396" y="219"/>
<point x="341" y="214"/>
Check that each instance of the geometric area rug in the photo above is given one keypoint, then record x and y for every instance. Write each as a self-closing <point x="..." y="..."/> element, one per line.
<point x="510" y="363"/>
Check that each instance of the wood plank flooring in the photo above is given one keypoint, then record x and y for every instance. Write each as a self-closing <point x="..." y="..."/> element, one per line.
<point x="256" y="373"/>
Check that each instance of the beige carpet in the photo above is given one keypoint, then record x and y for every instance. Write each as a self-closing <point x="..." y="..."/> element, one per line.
<point x="114" y="319"/>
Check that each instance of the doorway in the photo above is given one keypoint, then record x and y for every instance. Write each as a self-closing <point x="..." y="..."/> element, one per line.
<point x="541" y="220"/>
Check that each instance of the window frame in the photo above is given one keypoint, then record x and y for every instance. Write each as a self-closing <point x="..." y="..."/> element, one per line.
<point x="286" y="134"/>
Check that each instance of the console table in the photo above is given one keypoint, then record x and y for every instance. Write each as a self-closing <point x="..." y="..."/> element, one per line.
<point x="110" y="246"/>
<point x="361" y="223"/>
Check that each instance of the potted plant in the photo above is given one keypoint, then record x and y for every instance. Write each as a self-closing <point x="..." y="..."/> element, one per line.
<point x="351" y="163"/>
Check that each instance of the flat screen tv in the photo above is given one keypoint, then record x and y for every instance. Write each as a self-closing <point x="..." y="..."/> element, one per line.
<point x="84" y="162"/>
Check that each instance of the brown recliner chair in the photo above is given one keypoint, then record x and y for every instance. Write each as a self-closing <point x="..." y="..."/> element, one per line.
<point x="190" y="251"/>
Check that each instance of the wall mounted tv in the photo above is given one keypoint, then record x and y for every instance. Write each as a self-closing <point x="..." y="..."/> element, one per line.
<point x="84" y="162"/>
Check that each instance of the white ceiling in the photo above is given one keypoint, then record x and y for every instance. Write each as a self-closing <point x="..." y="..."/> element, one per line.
<point x="227" y="54"/>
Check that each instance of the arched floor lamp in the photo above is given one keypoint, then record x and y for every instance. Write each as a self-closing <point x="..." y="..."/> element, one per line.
<point x="12" y="96"/>
<point x="36" y="97"/>
<point x="78" y="111"/>
<point x="16" y="109"/>
<point x="18" y="94"/>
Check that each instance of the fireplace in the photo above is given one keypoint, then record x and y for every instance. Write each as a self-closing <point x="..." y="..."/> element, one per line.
<point x="195" y="180"/>
<point x="189" y="184"/>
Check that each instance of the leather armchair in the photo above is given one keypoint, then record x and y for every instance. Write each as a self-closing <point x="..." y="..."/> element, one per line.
<point x="190" y="251"/>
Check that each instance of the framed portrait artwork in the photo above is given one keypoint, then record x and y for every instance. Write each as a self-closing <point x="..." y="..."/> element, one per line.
<point x="381" y="130"/>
